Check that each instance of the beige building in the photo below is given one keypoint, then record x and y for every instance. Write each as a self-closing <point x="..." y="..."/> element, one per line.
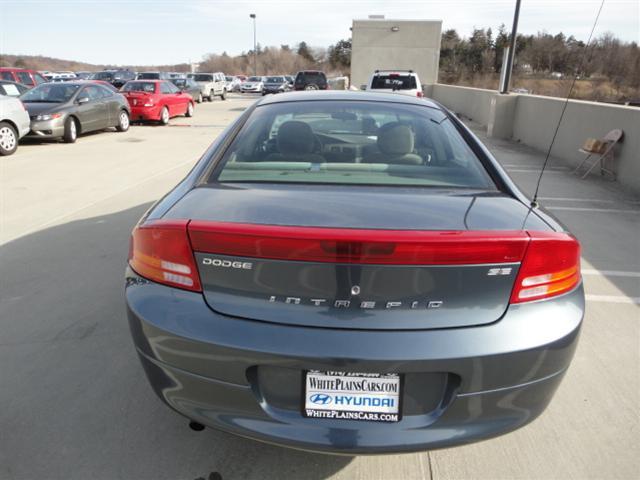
<point x="379" y="44"/>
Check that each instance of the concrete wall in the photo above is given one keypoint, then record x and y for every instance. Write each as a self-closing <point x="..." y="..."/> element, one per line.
<point x="472" y="103"/>
<point x="532" y="119"/>
<point x="536" y="117"/>
<point x="414" y="46"/>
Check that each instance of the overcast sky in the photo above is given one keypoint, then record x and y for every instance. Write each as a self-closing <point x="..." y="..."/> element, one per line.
<point x="165" y="32"/>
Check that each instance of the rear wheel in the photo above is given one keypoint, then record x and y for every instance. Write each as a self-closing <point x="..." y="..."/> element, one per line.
<point x="70" y="130"/>
<point x="199" y="100"/>
<point x="189" y="112"/>
<point x="224" y="95"/>
<point x="164" y="116"/>
<point x="8" y="139"/>
<point x="123" y="121"/>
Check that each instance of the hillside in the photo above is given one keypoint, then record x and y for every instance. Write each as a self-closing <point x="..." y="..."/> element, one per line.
<point x="57" y="64"/>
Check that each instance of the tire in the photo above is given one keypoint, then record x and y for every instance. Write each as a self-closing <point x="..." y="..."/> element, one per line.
<point x="164" y="116"/>
<point x="311" y="86"/>
<point x="189" y="112"/>
<point x="8" y="139"/>
<point x="70" y="130"/>
<point x="199" y="100"/>
<point x="123" y="121"/>
<point x="223" y="96"/>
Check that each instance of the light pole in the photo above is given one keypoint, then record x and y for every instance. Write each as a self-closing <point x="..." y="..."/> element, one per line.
<point x="504" y="88"/>
<point x="255" y="50"/>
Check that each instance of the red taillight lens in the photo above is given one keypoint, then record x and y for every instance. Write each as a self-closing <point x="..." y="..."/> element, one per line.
<point x="551" y="267"/>
<point x="340" y="245"/>
<point x="160" y="251"/>
<point x="419" y="94"/>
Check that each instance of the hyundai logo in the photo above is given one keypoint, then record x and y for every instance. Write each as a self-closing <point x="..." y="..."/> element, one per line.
<point x="320" y="399"/>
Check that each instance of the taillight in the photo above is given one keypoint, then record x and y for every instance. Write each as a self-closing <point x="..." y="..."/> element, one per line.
<point x="343" y="245"/>
<point x="160" y="251"/>
<point x="551" y="267"/>
<point x="419" y="94"/>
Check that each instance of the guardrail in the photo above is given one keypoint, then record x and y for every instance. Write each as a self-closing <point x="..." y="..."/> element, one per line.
<point x="531" y="120"/>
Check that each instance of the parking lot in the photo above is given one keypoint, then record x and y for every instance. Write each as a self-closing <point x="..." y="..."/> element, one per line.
<point x="76" y="403"/>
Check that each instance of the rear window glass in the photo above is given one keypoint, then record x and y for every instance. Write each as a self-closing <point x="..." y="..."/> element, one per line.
<point x="311" y="77"/>
<point x="149" y="87"/>
<point x="203" y="78"/>
<point x="102" y="76"/>
<point x="149" y="76"/>
<point x="397" y="82"/>
<point x="366" y="143"/>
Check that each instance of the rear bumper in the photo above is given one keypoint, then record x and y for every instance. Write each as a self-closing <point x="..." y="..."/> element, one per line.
<point x="145" y="113"/>
<point x="244" y="377"/>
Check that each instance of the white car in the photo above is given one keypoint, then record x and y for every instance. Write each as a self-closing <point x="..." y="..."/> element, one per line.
<point x="405" y="82"/>
<point x="233" y="84"/>
<point x="14" y="124"/>
<point x="253" y="85"/>
<point x="211" y="84"/>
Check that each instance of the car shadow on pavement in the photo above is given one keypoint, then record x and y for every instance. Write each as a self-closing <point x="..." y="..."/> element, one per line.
<point x="75" y="400"/>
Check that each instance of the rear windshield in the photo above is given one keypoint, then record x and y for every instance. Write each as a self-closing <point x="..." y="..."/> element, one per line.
<point x="394" y="82"/>
<point x="149" y="87"/>
<point x="203" y="78"/>
<point x="149" y="76"/>
<point x="102" y="76"/>
<point x="311" y="77"/>
<point x="351" y="142"/>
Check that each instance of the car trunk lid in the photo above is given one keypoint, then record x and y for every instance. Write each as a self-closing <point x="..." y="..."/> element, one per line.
<point x="285" y="256"/>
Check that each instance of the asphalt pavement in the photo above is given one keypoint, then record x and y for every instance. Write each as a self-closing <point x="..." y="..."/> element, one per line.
<point x="74" y="401"/>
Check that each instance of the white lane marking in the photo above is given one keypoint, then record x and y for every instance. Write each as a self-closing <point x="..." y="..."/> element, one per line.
<point x="611" y="273"/>
<point x="612" y="299"/>
<point x="514" y="170"/>
<point x="533" y="167"/>
<point x="593" y="200"/>
<point x="583" y="209"/>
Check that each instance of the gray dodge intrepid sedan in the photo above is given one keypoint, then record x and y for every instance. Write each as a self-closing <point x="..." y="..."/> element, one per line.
<point x="353" y="273"/>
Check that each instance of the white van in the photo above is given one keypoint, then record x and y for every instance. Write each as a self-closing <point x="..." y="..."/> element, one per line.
<point x="405" y="82"/>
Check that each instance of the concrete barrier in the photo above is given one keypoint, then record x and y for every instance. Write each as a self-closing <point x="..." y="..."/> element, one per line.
<point x="532" y="119"/>
<point x="472" y="103"/>
<point x="536" y="117"/>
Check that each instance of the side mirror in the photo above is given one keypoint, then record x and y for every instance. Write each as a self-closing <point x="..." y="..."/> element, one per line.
<point x="83" y="100"/>
<point x="179" y="92"/>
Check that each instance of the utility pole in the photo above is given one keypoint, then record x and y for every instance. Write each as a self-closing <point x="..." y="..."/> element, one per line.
<point x="504" y="87"/>
<point x="255" y="46"/>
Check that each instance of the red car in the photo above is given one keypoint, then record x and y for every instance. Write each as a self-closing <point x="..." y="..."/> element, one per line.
<point x="27" y="77"/>
<point x="157" y="100"/>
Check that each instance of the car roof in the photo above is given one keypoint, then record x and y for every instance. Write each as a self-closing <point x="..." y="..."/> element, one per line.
<point x="347" y="95"/>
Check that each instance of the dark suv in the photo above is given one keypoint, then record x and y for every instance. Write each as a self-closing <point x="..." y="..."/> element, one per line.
<point x="310" y="80"/>
<point x="117" y="78"/>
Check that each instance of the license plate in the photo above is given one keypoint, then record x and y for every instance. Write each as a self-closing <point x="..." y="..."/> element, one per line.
<point x="352" y="396"/>
<point x="135" y="102"/>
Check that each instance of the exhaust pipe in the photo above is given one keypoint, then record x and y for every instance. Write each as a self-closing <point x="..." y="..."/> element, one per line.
<point x="195" y="426"/>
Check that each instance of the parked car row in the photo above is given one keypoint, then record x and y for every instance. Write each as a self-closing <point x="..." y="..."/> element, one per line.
<point x="55" y="110"/>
